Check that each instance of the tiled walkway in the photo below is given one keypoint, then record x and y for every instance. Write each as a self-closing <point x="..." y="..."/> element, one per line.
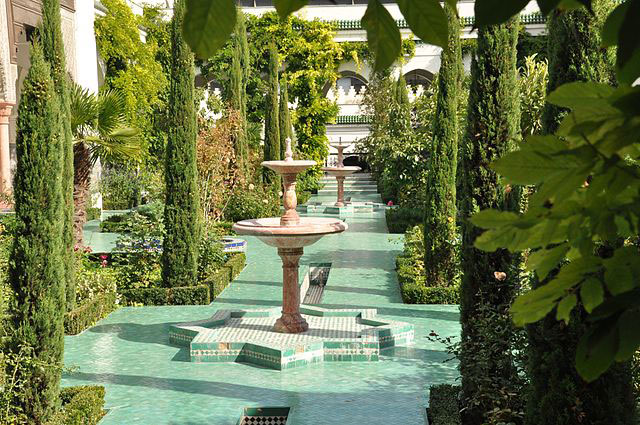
<point x="151" y="382"/>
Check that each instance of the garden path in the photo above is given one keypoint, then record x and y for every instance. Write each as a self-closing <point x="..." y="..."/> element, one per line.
<point x="149" y="381"/>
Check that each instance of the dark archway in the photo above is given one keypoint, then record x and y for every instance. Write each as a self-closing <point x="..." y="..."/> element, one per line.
<point x="356" y="160"/>
<point x="418" y="77"/>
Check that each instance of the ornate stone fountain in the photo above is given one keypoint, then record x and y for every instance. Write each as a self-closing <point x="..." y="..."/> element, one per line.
<point x="340" y="172"/>
<point x="290" y="233"/>
<point x="259" y="336"/>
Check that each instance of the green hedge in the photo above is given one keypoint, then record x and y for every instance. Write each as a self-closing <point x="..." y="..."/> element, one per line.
<point x="89" y="312"/>
<point x="415" y="291"/>
<point x="82" y="405"/>
<point x="219" y="280"/>
<point x="444" y="407"/>
<point x="201" y="294"/>
<point x="400" y="219"/>
<point x="93" y="213"/>
<point x="186" y="295"/>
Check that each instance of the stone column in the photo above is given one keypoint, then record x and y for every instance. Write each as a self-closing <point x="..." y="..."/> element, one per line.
<point x="291" y="320"/>
<point x="340" y="202"/>
<point x="5" y="154"/>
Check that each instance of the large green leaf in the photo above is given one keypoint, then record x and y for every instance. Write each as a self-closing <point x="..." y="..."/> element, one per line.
<point x="545" y="260"/>
<point x="628" y="59"/>
<point x="579" y="94"/>
<point x="591" y="294"/>
<point x="287" y="7"/>
<point x="492" y="12"/>
<point x="597" y="349"/>
<point x="612" y="25"/>
<point x="426" y="19"/>
<point x="208" y="25"/>
<point x="383" y="35"/>
<point x="622" y="270"/>
<point x="546" y="6"/>
<point x="565" y="306"/>
<point x="491" y="219"/>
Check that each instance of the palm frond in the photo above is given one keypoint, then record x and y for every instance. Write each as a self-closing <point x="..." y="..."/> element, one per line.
<point x="83" y="110"/>
<point x="112" y="111"/>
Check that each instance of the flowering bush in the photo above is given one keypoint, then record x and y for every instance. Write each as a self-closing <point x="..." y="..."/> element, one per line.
<point x="93" y="278"/>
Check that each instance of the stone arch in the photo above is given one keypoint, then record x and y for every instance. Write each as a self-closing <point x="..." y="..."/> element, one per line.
<point x="418" y="77"/>
<point x="346" y="80"/>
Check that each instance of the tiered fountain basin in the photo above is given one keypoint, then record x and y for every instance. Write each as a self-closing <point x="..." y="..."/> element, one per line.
<point x="334" y="335"/>
<point x="349" y="208"/>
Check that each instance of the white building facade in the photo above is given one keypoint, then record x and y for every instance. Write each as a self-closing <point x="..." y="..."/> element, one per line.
<point x="18" y="19"/>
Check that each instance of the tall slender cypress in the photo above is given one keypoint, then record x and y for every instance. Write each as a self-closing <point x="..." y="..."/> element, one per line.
<point x="286" y="131"/>
<point x="401" y="93"/>
<point x="36" y="269"/>
<point x="53" y="47"/>
<point x="440" y="232"/>
<point x="271" y="120"/>
<point x="238" y="89"/>
<point x="557" y="393"/>
<point x="489" y="279"/>
<point x="181" y="219"/>
<point x="576" y="54"/>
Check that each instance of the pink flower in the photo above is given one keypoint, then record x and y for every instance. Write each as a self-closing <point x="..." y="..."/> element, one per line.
<point x="103" y="257"/>
<point x="104" y="263"/>
<point x="390" y="203"/>
<point x="87" y="249"/>
<point x="76" y="248"/>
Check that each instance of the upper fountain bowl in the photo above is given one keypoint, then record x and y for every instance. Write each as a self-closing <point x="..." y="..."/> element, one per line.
<point x="341" y="171"/>
<point x="308" y="231"/>
<point x="288" y="166"/>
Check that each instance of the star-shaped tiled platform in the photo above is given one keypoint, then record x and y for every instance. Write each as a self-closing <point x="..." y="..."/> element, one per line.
<point x="246" y="336"/>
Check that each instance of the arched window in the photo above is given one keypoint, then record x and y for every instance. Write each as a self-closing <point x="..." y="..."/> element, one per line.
<point x="418" y="77"/>
<point x="350" y="79"/>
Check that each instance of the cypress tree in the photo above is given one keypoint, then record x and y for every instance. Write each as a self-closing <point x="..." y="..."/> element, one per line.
<point x="575" y="53"/>
<point x="238" y="89"/>
<point x="440" y="206"/>
<point x="181" y="219"/>
<point x="401" y="93"/>
<point x="286" y="131"/>
<point x="489" y="279"/>
<point x="53" y="47"/>
<point x="271" y="120"/>
<point x="557" y="393"/>
<point x="36" y="270"/>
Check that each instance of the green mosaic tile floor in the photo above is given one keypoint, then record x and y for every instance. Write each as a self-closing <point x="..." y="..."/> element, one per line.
<point x="150" y="381"/>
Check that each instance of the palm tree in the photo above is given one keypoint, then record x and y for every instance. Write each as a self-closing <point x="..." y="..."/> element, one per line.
<point x="100" y="132"/>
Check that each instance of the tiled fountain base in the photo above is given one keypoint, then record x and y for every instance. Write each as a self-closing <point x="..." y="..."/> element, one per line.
<point x="334" y="335"/>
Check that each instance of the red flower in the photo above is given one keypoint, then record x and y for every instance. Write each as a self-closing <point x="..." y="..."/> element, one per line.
<point x="103" y="257"/>
<point x="390" y="203"/>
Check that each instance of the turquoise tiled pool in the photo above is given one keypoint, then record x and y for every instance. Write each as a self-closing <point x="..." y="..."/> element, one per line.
<point x="150" y="381"/>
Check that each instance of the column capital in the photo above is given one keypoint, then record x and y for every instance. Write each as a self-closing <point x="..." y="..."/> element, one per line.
<point x="5" y="112"/>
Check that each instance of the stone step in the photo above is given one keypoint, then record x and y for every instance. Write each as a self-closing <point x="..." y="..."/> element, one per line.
<point x="325" y="192"/>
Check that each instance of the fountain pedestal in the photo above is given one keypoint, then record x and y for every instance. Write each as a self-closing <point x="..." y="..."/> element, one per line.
<point x="291" y="320"/>
<point x="290" y="233"/>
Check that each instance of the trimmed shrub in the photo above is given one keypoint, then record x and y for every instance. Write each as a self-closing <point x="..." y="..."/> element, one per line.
<point x="487" y="359"/>
<point x="400" y="219"/>
<point x="271" y="120"/>
<point x="83" y="405"/>
<point x="441" y="263"/>
<point x="53" y="49"/>
<point x="444" y="405"/>
<point x="219" y="280"/>
<point x="187" y="295"/>
<point x="36" y="267"/>
<point x="89" y="312"/>
<point x="416" y="293"/>
<point x="182" y="206"/>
